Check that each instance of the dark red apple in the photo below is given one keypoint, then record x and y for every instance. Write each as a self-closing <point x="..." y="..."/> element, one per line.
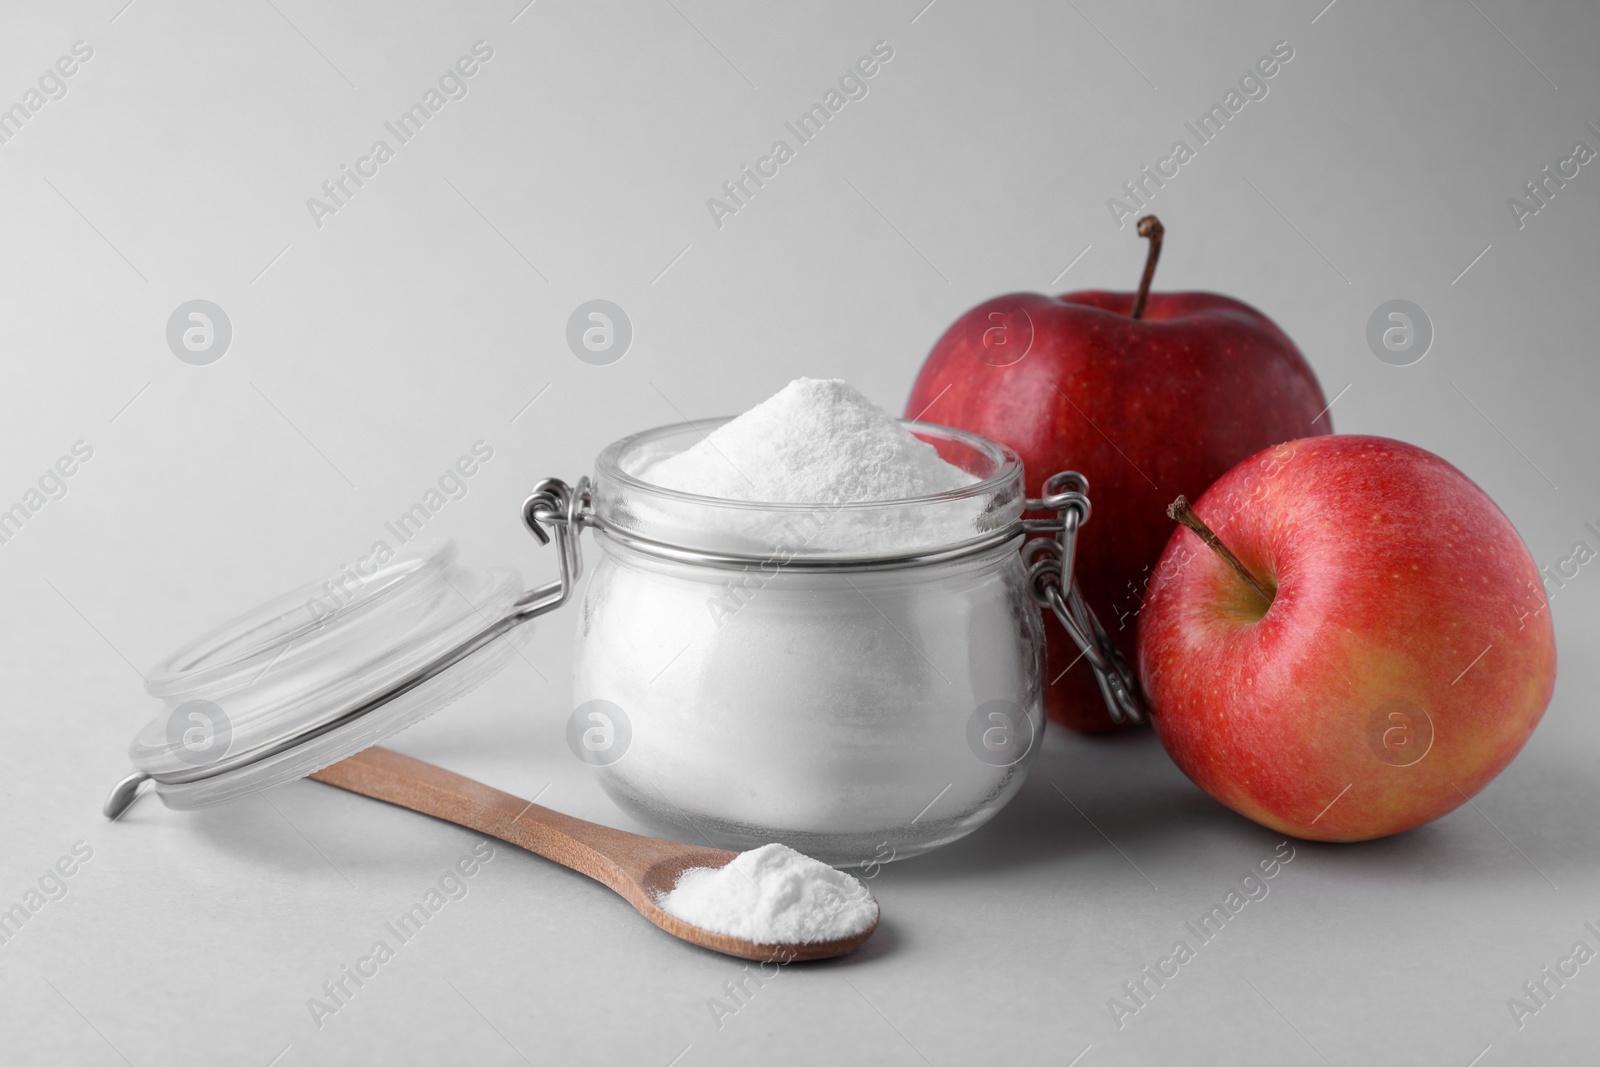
<point x="1396" y="656"/>
<point x="1147" y="394"/>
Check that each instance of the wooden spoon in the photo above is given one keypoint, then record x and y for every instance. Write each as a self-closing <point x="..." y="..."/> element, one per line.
<point x="637" y="868"/>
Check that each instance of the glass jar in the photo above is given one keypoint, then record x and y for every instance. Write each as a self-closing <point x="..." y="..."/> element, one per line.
<point x="852" y="680"/>
<point x="860" y="681"/>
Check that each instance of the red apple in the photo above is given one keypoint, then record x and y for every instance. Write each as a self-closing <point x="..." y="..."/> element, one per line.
<point x="1146" y="397"/>
<point x="1401" y="656"/>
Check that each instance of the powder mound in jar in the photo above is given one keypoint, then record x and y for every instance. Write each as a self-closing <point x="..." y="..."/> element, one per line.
<point x="818" y="441"/>
<point x="773" y="895"/>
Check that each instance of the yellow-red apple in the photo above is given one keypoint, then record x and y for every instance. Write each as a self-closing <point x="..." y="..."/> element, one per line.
<point x="1397" y="657"/>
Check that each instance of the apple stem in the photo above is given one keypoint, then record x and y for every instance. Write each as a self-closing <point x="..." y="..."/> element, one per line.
<point x="1150" y="227"/>
<point x="1180" y="511"/>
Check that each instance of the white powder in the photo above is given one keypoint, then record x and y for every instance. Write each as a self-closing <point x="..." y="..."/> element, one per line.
<point x="773" y="895"/>
<point x="818" y="441"/>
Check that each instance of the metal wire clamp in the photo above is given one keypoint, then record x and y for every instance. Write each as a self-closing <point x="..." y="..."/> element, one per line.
<point x="1051" y="583"/>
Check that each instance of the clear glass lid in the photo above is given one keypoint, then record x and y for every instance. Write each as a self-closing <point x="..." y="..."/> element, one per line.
<point x="321" y="673"/>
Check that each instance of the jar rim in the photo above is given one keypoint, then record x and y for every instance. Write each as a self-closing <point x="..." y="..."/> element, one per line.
<point x="1008" y="467"/>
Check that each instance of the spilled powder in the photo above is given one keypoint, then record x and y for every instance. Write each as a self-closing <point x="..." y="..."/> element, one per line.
<point x="818" y="441"/>
<point x="773" y="895"/>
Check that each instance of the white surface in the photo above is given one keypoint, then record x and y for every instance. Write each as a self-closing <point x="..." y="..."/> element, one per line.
<point x="370" y="353"/>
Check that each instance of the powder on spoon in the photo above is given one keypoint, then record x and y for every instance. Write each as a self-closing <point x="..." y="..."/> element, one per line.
<point x="817" y="441"/>
<point x="773" y="895"/>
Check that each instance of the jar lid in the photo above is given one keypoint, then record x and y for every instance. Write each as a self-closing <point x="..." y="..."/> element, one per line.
<point x="319" y="674"/>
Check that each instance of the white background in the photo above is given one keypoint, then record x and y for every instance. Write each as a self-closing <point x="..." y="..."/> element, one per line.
<point x="369" y="353"/>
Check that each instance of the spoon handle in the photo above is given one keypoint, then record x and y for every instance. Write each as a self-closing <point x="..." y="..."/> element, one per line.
<point x="615" y="858"/>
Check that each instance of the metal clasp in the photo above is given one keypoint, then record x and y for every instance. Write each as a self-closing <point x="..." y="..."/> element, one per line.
<point x="1052" y="583"/>
<point x="562" y="509"/>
